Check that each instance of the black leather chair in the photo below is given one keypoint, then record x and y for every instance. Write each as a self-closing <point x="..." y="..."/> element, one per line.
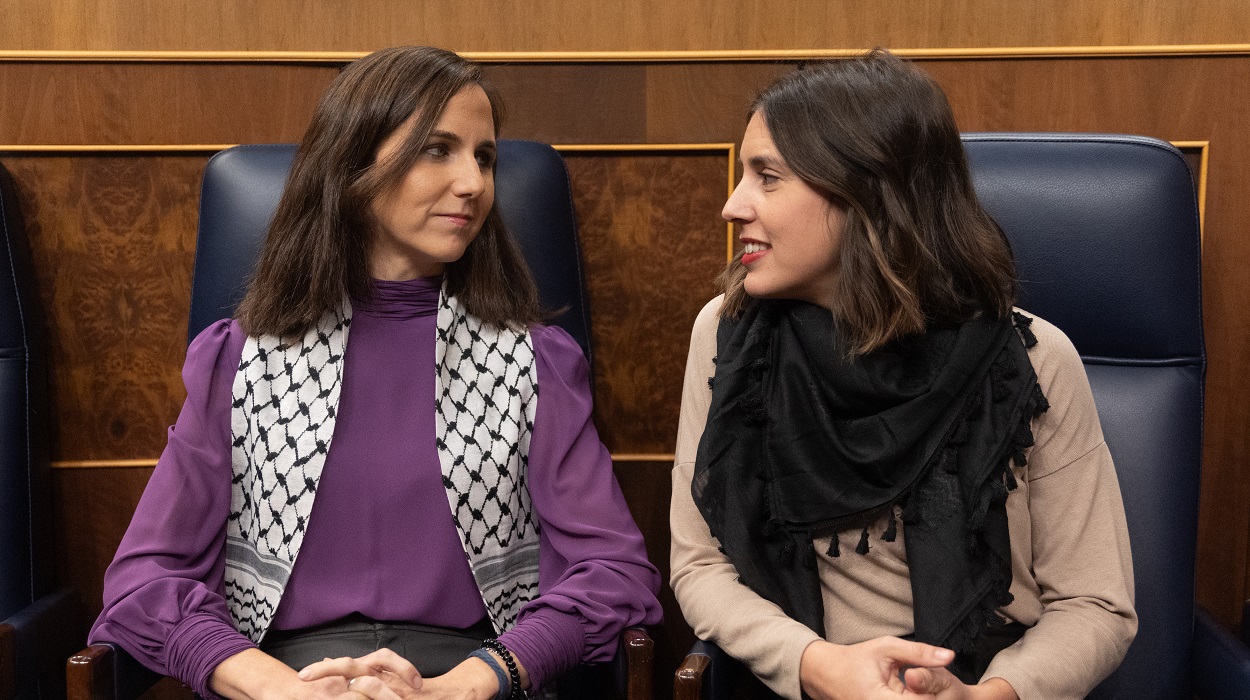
<point x="241" y="188"/>
<point x="1106" y="236"/>
<point x="37" y="624"/>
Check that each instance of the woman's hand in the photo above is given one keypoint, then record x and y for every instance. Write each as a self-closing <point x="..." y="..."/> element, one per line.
<point x="382" y="675"/>
<point x="865" y="671"/>
<point x="942" y="684"/>
<point x="254" y="675"/>
<point x="471" y="679"/>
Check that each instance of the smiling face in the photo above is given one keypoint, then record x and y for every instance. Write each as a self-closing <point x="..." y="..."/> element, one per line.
<point x="791" y="233"/>
<point x="436" y="210"/>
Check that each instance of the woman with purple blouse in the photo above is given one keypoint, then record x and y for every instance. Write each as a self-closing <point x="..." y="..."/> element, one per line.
<point x="386" y="280"/>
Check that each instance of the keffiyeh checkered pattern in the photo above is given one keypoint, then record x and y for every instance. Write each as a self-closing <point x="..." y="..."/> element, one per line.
<point x="485" y="414"/>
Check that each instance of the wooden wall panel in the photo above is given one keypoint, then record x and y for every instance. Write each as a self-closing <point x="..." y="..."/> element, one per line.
<point x="113" y="240"/>
<point x="140" y="103"/>
<point x="653" y="244"/>
<point x="92" y="509"/>
<point x="540" y="104"/>
<point x="576" y="25"/>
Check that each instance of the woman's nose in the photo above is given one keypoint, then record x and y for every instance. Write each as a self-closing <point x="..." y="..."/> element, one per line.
<point x="735" y="208"/>
<point x="471" y="179"/>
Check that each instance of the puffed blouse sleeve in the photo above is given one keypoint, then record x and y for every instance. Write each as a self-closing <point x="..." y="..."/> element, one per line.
<point x="163" y="593"/>
<point x="594" y="576"/>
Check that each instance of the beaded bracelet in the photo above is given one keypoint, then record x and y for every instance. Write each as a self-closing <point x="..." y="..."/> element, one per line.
<point x="514" y="675"/>
<point x="505" y="689"/>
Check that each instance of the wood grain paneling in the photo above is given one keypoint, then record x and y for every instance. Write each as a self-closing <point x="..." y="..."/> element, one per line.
<point x="576" y="25"/>
<point x="138" y="103"/>
<point x="92" y="508"/>
<point x="653" y="243"/>
<point x="113" y="240"/>
<point x="704" y="103"/>
<point x="573" y="103"/>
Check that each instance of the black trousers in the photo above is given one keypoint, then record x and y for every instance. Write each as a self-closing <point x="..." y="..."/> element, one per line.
<point x="433" y="650"/>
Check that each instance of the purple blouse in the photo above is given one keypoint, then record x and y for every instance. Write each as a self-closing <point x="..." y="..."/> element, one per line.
<point x="381" y="540"/>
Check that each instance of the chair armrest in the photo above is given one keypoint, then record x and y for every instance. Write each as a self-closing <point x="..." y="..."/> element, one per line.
<point x="626" y="677"/>
<point x="32" y="643"/>
<point x="106" y="672"/>
<point x="1221" y="661"/>
<point x="639" y="651"/>
<point x="705" y="673"/>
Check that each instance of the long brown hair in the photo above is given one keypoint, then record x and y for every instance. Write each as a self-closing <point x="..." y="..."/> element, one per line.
<point x="316" y="251"/>
<point x="876" y="136"/>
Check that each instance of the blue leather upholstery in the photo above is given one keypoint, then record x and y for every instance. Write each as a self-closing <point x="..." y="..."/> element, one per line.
<point x="37" y="621"/>
<point x="1106" y="237"/>
<point x="241" y="190"/>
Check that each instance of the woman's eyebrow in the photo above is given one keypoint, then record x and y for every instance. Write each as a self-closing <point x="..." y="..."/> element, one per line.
<point x="762" y="162"/>
<point x="445" y="136"/>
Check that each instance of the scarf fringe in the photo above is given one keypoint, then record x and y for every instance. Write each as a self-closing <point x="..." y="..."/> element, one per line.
<point x="1002" y="480"/>
<point x="891" y="528"/>
<point x="862" y="547"/>
<point x="1022" y="324"/>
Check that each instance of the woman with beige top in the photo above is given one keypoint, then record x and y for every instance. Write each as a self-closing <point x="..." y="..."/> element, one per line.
<point x="889" y="482"/>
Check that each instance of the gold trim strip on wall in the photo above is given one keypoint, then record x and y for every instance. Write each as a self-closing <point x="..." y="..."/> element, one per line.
<point x="115" y="148"/>
<point x="102" y="463"/>
<point x="643" y="457"/>
<point x="733" y="180"/>
<point x="1204" y="148"/>
<point x="335" y="57"/>
<point x="583" y="147"/>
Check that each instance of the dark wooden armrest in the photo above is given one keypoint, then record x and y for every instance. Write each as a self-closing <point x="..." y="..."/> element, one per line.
<point x="688" y="680"/>
<point x="106" y="672"/>
<point x="640" y="653"/>
<point x="89" y="674"/>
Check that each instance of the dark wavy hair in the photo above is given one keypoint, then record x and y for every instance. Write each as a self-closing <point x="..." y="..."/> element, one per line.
<point x="316" y="251"/>
<point x="876" y="137"/>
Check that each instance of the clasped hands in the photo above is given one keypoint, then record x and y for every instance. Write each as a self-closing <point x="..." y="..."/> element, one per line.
<point x="385" y="675"/>
<point x="888" y="667"/>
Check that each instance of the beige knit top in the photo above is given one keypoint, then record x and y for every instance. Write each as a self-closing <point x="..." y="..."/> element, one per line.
<point x="1072" y="573"/>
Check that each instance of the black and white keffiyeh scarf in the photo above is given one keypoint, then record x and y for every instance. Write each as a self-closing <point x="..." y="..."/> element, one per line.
<point x="801" y="442"/>
<point x="285" y="400"/>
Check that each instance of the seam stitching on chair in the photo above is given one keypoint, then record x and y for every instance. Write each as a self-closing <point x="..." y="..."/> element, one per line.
<point x="17" y="297"/>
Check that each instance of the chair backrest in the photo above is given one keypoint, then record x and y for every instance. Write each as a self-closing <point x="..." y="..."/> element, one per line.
<point x="242" y="186"/>
<point x="1106" y="235"/>
<point x="25" y="506"/>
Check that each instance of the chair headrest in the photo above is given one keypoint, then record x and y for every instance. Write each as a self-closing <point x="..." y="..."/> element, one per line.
<point x="1093" y="221"/>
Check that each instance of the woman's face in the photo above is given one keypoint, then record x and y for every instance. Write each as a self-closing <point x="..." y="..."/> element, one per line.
<point x="790" y="231"/>
<point x="431" y="215"/>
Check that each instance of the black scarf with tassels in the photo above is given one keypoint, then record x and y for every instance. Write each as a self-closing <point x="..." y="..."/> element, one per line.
<point x="801" y="442"/>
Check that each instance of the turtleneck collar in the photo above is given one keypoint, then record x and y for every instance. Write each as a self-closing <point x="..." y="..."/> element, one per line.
<point x="401" y="300"/>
